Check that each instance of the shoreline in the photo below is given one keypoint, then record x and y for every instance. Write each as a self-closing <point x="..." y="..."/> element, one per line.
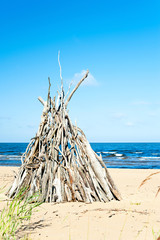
<point x="121" y="168"/>
<point x="135" y="217"/>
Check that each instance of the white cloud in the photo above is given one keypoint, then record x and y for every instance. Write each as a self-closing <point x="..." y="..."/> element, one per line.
<point x="152" y="114"/>
<point x="119" y="115"/>
<point x="89" y="81"/>
<point x="123" y="119"/>
<point x="129" y="124"/>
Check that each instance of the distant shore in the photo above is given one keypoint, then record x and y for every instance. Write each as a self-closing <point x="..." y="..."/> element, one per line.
<point x="135" y="217"/>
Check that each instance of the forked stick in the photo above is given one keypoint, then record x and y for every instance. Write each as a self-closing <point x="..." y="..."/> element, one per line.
<point x="77" y="86"/>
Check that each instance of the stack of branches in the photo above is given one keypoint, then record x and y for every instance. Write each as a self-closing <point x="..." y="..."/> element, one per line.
<point x="59" y="162"/>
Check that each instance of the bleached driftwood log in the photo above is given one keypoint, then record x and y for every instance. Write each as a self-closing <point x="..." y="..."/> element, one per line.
<point x="59" y="162"/>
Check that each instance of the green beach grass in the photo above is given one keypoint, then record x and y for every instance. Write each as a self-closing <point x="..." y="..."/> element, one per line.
<point x="17" y="211"/>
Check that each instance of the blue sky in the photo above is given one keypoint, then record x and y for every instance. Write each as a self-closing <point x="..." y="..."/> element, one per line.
<point x="118" y="41"/>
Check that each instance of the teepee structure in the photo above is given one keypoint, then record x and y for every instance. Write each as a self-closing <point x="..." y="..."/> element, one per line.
<point x="59" y="162"/>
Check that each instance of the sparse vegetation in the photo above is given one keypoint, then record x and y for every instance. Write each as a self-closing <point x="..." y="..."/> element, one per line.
<point x="16" y="212"/>
<point x="156" y="235"/>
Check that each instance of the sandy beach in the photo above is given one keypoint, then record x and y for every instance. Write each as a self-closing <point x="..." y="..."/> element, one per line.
<point x="137" y="216"/>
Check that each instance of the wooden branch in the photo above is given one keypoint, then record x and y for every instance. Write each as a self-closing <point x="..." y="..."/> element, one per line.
<point x="70" y="96"/>
<point x="41" y="100"/>
<point x="60" y="70"/>
<point x="48" y="98"/>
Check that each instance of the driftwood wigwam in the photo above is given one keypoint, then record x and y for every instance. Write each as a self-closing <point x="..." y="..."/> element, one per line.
<point x="59" y="162"/>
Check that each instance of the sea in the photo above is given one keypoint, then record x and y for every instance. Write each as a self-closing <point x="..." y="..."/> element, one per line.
<point x="115" y="155"/>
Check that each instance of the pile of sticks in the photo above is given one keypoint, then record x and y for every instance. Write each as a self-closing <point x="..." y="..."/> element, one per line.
<point x="59" y="162"/>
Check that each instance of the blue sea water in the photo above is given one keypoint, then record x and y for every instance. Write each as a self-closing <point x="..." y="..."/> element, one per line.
<point x="115" y="155"/>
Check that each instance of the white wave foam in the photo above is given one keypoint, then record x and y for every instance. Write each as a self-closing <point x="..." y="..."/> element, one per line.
<point x="118" y="155"/>
<point x="110" y="152"/>
<point x="150" y="157"/>
<point x="10" y="157"/>
<point x="13" y="156"/>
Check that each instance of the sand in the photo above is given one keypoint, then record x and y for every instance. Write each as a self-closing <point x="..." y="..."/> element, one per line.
<point x="137" y="216"/>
